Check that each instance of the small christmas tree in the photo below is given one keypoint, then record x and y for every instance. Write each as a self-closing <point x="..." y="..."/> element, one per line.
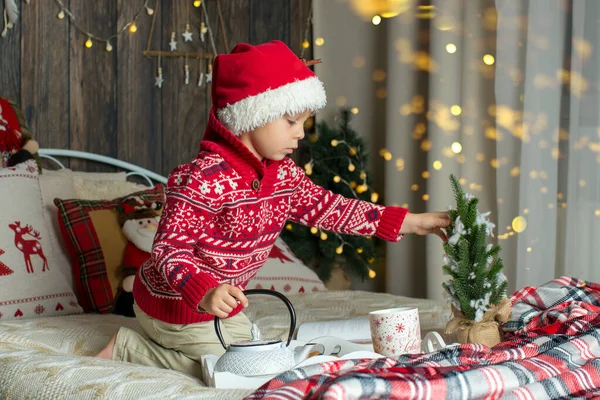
<point x="476" y="282"/>
<point x="335" y="158"/>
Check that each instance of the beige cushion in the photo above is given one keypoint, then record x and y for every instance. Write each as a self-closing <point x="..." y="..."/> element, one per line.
<point x="95" y="189"/>
<point x="29" y="287"/>
<point x="93" y="176"/>
<point x="55" y="184"/>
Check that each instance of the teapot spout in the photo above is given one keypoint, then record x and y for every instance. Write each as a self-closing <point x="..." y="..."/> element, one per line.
<point x="301" y="353"/>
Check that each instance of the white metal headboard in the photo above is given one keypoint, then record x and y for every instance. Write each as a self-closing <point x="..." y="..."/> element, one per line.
<point x="132" y="170"/>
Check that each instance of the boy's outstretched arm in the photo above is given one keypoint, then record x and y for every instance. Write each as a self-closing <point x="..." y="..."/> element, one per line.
<point x="313" y="205"/>
<point x="426" y="223"/>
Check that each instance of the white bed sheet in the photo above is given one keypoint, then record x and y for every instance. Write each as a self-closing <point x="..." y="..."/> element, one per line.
<point x="49" y="358"/>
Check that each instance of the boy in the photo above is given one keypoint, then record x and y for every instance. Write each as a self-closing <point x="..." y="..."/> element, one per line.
<point x="226" y="208"/>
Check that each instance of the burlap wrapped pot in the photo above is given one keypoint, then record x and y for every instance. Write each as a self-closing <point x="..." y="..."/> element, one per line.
<point x="487" y="331"/>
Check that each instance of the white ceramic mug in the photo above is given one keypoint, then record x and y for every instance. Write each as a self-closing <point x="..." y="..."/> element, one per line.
<point x="396" y="331"/>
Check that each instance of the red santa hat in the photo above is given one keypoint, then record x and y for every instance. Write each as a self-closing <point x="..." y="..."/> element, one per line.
<point x="254" y="85"/>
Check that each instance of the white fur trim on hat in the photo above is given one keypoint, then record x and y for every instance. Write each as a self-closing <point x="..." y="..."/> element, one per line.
<point x="256" y="111"/>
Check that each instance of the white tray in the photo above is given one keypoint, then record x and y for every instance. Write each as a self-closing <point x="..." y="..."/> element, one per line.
<point x="342" y="349"/>
<point x="334" y="349"/>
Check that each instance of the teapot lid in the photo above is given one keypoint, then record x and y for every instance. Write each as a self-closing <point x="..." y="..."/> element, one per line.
<point x="255" y="341"/>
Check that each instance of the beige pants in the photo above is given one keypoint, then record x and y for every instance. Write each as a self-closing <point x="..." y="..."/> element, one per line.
<point x="177" y="347"/>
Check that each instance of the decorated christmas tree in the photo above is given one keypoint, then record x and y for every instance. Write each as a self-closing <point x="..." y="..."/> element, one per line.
<point x="477" y="285"/>
<point x="334" y="158"/>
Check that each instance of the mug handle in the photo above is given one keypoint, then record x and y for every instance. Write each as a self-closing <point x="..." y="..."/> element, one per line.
<point x="287" y="302"/>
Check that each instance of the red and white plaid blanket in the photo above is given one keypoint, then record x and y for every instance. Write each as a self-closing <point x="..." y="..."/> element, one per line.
<point x="551" y="351"/>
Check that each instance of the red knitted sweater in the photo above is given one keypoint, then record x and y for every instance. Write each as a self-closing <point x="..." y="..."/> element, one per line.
<point x="223" y="213"/>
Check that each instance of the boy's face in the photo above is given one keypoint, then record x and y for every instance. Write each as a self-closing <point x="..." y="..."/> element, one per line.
<point x="278" y="138"/>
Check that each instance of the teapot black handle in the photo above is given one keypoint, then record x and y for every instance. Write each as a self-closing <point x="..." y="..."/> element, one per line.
<point x="287" y="302"/>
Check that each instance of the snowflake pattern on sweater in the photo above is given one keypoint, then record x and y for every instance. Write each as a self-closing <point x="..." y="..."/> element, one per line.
<point x="223" y="214"/>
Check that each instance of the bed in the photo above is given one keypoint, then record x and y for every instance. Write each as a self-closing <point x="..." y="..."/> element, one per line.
<point x="48" y="357"/>
<point x="551" y="347"/>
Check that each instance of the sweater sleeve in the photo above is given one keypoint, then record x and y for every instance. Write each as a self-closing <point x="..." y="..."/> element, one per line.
<point x="181" y="226"/>
<point x="313" y="205"/>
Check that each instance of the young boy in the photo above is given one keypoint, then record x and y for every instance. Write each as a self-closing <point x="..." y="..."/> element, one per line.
<point x="226" y="208"/>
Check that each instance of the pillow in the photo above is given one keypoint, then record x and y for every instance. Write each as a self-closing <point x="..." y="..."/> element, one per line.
<point x="64" y="183"/>
<point x="55" y="184"/>
<point x="93" y="189"/>
<point x="91" y="230"/>
<point x="31" y="284"/>
<point x="120" y="176"/>
<point x="285" y="273"/>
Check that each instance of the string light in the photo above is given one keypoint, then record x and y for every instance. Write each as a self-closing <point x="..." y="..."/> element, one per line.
<point x="376" y="20"/>
<point x="456" y="147"/>
<point x="337" y="179"/>
<point x="197" y="3"/>
<point x="351" y="167"/>
<point x="131" y="25"/>
<point x="334" y="143"/>
<point x="360" y="249"/>
<point x="488" y="59"/>
<point x="323" y="236"/>
<point x="362" y="188"/>
<point x="289" y="227"/>
<point x="308" y="168"/>
<point x="374" y="197"/>
<point x="314" y="230"/>
<point x="519" y="224"/>
<point x="372" y="274"/>
<point x="451" y="48"/>
<point x="340" y="249"/>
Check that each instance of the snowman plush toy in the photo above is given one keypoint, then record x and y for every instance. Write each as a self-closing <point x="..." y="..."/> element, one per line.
<point x="139" y="221"/>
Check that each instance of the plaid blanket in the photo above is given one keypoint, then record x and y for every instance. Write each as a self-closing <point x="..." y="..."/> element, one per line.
<point x="551" y="350"/>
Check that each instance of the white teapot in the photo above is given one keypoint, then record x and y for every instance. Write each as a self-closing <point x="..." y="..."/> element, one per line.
<point x="261" y="356"/>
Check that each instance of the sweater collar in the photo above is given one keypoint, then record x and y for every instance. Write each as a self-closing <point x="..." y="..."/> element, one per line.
<point x="218" y="139"/>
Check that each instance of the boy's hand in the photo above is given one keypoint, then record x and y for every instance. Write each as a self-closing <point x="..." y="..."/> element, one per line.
<point x="426" y="223"/>
<point x="221" y="300"/>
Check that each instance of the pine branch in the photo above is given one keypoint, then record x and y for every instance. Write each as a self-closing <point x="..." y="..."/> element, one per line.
<point x="495" y="268"/>
<point x="471" y="213"/>
<point x="494" y="251"/>
<point x="451" y="251"/>
<point x="459" y="195"/>
<point x="499" y="293"/>
<point x="448" y="271"/>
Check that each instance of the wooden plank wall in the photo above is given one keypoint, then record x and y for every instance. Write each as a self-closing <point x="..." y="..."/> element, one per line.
<point x="106" y="102"/>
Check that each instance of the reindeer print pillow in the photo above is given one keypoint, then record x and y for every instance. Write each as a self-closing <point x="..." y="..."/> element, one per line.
<point x="31" y="284"/>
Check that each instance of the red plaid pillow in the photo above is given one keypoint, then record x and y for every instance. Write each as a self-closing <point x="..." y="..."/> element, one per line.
<point x="90" y="274"/>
